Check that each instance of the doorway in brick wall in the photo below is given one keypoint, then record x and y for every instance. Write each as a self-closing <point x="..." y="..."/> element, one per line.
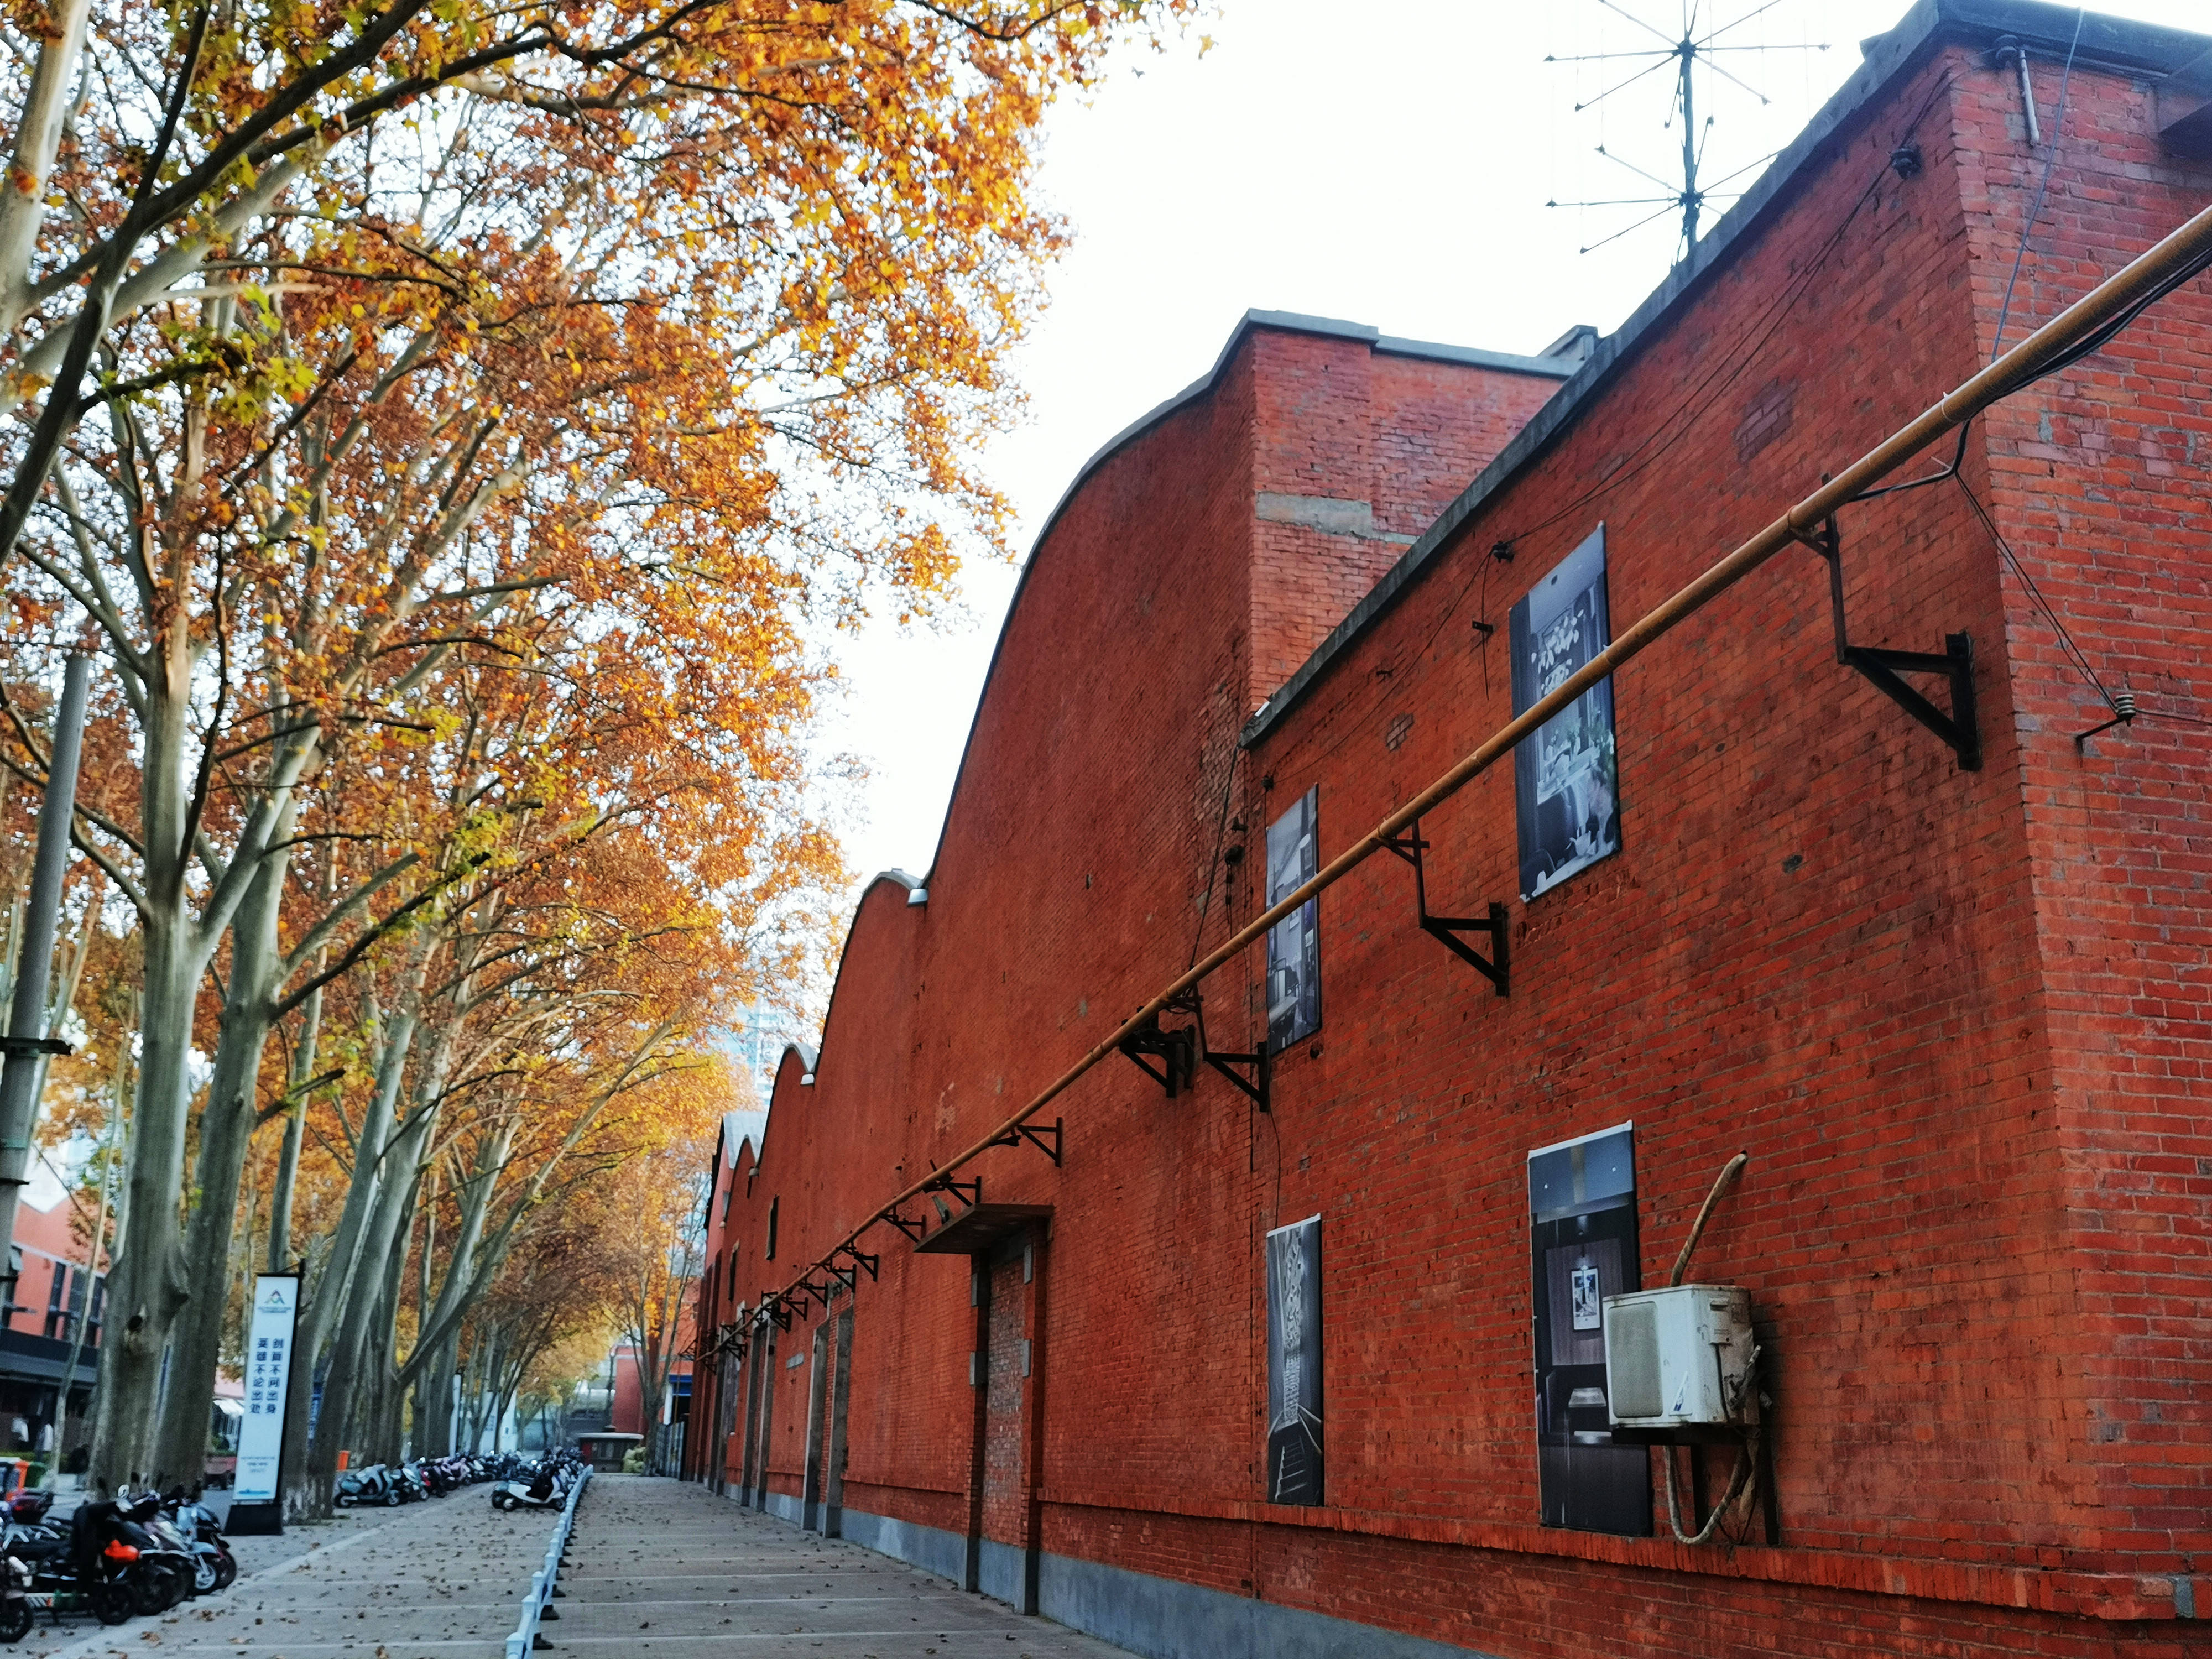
<point x="817" y="1400"/>
<point x="840" y="1401"/>
<point x="1004" y="1549"/>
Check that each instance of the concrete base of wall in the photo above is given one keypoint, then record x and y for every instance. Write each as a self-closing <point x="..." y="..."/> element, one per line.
<point x="931" y="1548"/>
<point x="1158" y="1618"/>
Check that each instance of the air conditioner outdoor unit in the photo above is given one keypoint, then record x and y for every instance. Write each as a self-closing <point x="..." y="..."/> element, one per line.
<point x="1678" y="1364"/>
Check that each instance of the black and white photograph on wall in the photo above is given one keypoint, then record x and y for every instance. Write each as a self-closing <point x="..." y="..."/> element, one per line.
<point x="1566" y="791"/>
<point x="1294" y="1408"/>
<point x="1294" y="943"/>
<point x="1582" y="1227"/>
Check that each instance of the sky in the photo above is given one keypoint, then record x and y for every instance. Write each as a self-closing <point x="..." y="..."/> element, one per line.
<point x="1384" y="164"/>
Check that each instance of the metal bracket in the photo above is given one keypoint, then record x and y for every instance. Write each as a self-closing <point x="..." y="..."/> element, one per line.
<point x="31" y="1045"/>
<point x="1446" y="930"/>
<point x="1256" y="1085"/>
<point x="916" y="1231"/>
<point x="1959" y="728"/>
<point x="773" y="1307"/>
<point x="819" y="1292"/>
<point x="1178" y="1050"/>
<point x="969" y="1193"/>
<point x="1036" y="1138"/>
<point x="848" y="1277"/>
<point x="860" y="1258"/>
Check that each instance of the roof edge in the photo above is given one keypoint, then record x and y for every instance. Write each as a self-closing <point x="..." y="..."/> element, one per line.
<point x="2108" y="42"/>
<point x="1290" y="322"/>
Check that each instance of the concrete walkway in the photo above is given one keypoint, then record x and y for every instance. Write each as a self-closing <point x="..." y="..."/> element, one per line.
<point x="666" y="1566"/>
<point x="441" y="1579"/>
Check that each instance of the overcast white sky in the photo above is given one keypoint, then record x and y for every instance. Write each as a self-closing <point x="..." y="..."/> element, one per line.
<point x="1384" y="163"/>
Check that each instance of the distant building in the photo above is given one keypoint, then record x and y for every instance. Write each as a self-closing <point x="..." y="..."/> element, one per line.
<point x="759" y="1041"/>
<point x="55" y="1292"/>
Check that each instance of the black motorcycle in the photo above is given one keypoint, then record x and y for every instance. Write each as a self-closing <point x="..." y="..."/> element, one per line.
<point x="91" y="1566"/>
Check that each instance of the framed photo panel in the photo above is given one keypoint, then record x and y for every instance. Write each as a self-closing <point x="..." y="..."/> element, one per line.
<point x="1294" y="943"/>
<point x="1566" y="781"/>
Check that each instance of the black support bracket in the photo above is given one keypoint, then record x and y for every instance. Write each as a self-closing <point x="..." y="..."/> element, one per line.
<point x="1176" y="1050"/>
<point x="848" y="1277"/>
<point x="1446" y="930"/>
<point x="820" y="1293"/>
<point x="969" y="1193"/>
<point x="860" y="1258"/>
<point x="1959" y="728"/>
<point x="1045" y="1140"/>
<point x="916" y="1231"/>
<point x="775" y="1309"/>
<point x="1250" y="1072"/>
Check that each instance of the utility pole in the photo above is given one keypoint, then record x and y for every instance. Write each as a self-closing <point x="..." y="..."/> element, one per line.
<point x="28" y="1044"/>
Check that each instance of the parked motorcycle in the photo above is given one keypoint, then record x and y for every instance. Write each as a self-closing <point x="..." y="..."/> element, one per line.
<point x="372" y="1484"/>
<point x="545" y="1488"/>
<point x="164" y="1572"/>
<point x="213" y="1565"/>
<point x="90" y="1567"/>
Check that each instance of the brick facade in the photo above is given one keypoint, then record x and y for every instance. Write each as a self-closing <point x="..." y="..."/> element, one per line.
<point x="1957" y="1019"/>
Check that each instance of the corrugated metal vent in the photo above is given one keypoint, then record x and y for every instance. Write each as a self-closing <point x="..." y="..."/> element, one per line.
<point x="1633" y="1339"/>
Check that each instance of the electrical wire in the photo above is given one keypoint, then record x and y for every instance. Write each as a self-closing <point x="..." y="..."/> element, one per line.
<point x="2050" y="158"/>
<point x="2066" y="642"/>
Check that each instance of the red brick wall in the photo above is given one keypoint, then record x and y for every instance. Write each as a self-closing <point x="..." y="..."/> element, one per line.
<point x="2098" y="481"/>
<point x="1955" y="1018"/>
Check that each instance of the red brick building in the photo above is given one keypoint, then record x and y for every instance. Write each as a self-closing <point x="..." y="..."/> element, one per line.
<point x="1952" y="997"/>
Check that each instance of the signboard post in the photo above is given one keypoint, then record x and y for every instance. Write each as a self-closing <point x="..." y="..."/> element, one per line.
<point x="257" y="1504"/>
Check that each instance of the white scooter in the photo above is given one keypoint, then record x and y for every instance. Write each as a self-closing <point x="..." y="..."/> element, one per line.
<point x="548" y="1489"/>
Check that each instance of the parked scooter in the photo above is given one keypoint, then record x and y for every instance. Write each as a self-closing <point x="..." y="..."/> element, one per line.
<point x="89" y="1568"/>
<point x="165" y="1570"/>
<point x="373" y="1485"/>
<point x="546" y="1488"/>
<point x="214" y="1567"/>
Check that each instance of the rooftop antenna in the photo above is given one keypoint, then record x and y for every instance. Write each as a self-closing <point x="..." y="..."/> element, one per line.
<point x="1686" y="53"/>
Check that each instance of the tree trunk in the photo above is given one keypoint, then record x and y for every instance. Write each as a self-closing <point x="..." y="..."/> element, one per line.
<point x="145" y="1290"/>
<point x="356" y="1342"/>
<point x="225" y="1136"/>
<point x="308" y="1492"/>
<point x="296" y="1128"/>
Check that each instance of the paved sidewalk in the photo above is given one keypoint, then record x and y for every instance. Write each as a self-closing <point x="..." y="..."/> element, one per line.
<point x="667" y="1566"/>
<point x="438" y="1580"/>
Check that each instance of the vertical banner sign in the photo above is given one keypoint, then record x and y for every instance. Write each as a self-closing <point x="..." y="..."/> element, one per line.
<point x="1565" y="780"/>
<point x="1582" y="1234"/>
<point x="1294" y="943"/>
<point x="1294" y="1403"/>
<point x="268" y="1369"/>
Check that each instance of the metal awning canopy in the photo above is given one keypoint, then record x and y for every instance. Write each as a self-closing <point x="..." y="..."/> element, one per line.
<point x="975" y="1231"/>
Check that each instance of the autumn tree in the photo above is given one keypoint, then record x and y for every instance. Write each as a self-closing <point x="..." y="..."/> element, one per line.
<point x="393" y="361"/>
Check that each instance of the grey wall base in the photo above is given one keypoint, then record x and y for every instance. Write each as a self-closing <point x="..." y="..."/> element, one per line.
<point x="1158" y="1618"/>
<point x="931" y="1548"/>
<point x="783" y="1506"/>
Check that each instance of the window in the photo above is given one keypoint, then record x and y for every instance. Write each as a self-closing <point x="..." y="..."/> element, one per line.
<point x="57" y="1316"/>
<point x="772" y="1206"/>
<point x="729" y="1192"/>
<point x="733" y="1273"/>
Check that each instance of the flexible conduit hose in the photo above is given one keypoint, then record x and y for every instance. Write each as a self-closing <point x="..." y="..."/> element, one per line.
<point x="1742" y="1476"/>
